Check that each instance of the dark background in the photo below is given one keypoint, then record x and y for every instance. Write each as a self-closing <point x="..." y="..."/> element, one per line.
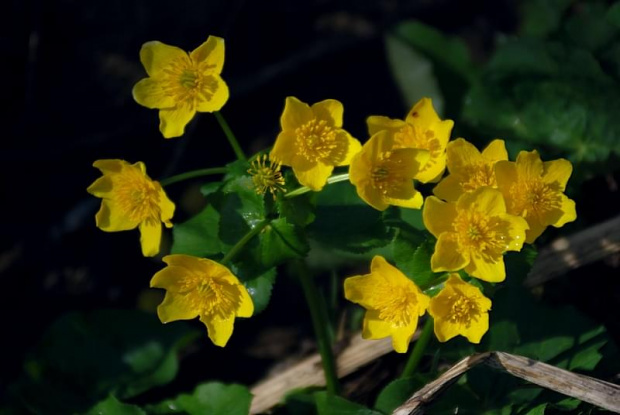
<point x="68" y="69"/>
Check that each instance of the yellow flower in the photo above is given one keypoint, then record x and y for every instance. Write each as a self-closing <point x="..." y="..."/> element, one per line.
<point x="422" y="128"/>
<point x="473" y="233"/>
<point x="383" y="175"/>
<point x="534" y="190"/>
<point x="266" y="177"/>
<point x="460" y="308"/>
<point x="469" y="170"/>
<point x="312" y="141"/>
<point x="131" y="199"/>
<point x="199" y="287"/>
<point x="392" y="301"/>
<point x="181" y="84"/>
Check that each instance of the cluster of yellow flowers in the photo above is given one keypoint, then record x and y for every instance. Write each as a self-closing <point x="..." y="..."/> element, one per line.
<point x="485" y="206"/>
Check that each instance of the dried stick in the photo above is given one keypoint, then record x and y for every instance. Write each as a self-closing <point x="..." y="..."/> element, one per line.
<point x="597" y="392"/>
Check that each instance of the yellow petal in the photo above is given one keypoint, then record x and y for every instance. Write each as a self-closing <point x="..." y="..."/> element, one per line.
<point x="449" y="188"/>
<point x="150" y="237"/>
<point x="166" y="207"/>
<point x="172" y="122"/>
<point x="353" y="147"/>
<point x="360" y="289"/>
<point x="517" y="230"/>
<point x="371" y="195"/>
<point x="110" y="218"/>
<point x="477" y="328"/>
<point x="329" y="110"/>
<point x="285" y="148"/>
<point x="314" y="177"/>
<point x="485" y="200"/>
<point x="101" y="187"/>
<point x="157" y="57"/>
<point x="210" y="55"/>
<point x="378" y="123"/>
<point x="447" y="255"/>
<point x="569" y="214"/>
<point x="413" y="202"/>
<point x="110" y="165"/>
<point x="150" y="93"/>
<point x="433" y="170"/>
<point x="174" y="279"/>
<point x="438" y="216"/>
<point x="557" y="171"/>
<point x="359" y="169"/>
<point x="295" y="114"/>
<point x="186" y="261"/>
<point x="485" y="269"/>
<point x="505" y="174"/>
<point x="373" y="327"/>
<point x="213" y="95"/>
<point x="443" y="131"/>
<point x="219" y="329"/>
<point x="529" y="165"/>
<point x="536" y="228"/>
<point x="461" y="153"/>
<point x="176" y="307"/>
<point x="246" y="306"/>
<point x="422" y="114"/>
<point x="386" y="270"/>
<point x="401" y="336"/>
<point x="495" y="151"/>
<point x="445" y="329"/>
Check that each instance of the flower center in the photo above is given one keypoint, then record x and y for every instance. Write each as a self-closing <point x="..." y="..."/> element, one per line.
<point x="396" y="304"/>
<point x="187" y="83"/>
<point x="138" y="198"/>
<point x="477" y="176"/>
<point x="410" y="136"/>
<point x="534" y="198"/>
<point x="388" y="173"/>
<point x="318" y="141"/>
<point x="487" y="236"/>
<point x="266" y="177"/>
<point x="218" y="298"/>
<point x="463" y="309"/>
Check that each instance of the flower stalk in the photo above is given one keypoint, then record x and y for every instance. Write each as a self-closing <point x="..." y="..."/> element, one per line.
<point x="243" y="241"/>
<point x="418" y="350"/>
<point x="230" y="136"/>
<point x="192" y="174"/>
<point x="305" y="189"/>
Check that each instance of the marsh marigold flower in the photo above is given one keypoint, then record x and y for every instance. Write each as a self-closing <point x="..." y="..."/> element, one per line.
<point x="131" y="199"/>
<point x="460" y="308"/>
<point x="383" y="175"/>
<point x="392" y="301"/>
<point x="181" y="84"/>
<point x="422" y="128"/>
<point x="473" y="233"/>
<point x="312" y="141"/>
<point x="534" y="190"/>
<point x="266" y="177"/>
<point x="199" y="287"/>
<point x="469" y="169"/>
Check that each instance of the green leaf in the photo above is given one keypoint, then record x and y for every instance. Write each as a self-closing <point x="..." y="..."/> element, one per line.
<point x="397" y="392"/>
<point x="259" y="288"/>
<point x="452" y="64"/>
<point x="84" y="357"/>
<point x="298" y="210"/>
<point x="335" y="405"/>
<point x="281" y="241"/>
<point x="613" y="14"/>
<point x="590" y="28"/>
<point x="211" y="398"/>
<point x="540" y="18"/>
<point x="199" y="235"/>
<point x="112" y="406"/>
<point x="241" y="208"/>
<point x="538" y="410"/>
<point x="412" y="254"/>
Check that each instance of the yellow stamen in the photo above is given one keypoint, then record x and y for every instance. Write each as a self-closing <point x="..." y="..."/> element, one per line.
<point x="267" y="177"/>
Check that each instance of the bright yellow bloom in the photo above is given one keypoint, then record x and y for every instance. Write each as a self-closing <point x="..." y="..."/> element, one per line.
<point x="422" y="128"/>
<point x="473" y="233"/>
<point x="199" y="287"/>
<point x="469" y="170"/>
<point x="181" y="84"/>
<point x="383" y="175"/>
<point x="131" y="199"/>
<point x="312" y="141"/>
<point x="392" y="301"/>
<point x="460" y="308"/>
<point x="534" y="190"/>
<point x="266" y="177"/>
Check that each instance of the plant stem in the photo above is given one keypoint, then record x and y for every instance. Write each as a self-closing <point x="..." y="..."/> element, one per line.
<point x="320" y="324"/>
<point x="192" y="174"/>
<point x="418" y="349"/>
<point x="243" y="241"/>
<point x="304" y="189"/>
<point x="231" y="137"/>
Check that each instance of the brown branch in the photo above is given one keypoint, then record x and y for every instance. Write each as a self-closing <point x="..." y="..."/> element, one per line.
<point x="597" y="392"/>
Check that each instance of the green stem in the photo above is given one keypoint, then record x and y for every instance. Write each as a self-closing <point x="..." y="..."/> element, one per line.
<point x="192" y="174"/>
<point x="418" y="349"/>
<point x="304" y="189"/>
<point x="243" y="241"/>
<point x="320" y="324"/>
<point x="231" y="137"/>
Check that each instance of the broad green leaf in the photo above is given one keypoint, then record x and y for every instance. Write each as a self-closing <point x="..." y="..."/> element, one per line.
<point x="112" y="406"/>
<point x="259" y="288"/>
<point x="281" y="241"/>
<point x="298" y="210"/>
<point x="240" y="208"/>
<point x="590" y="27"/>
<point x="211" y="398"/>
<point x="334" y="405"/>
<point x="199" y="235"/>
<point x="613" y="14"/>
<point x="540" y="18"/>
<point x="84" y="357"/>
<point x="412" y="254"/>
<point x="397" y="392"/>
